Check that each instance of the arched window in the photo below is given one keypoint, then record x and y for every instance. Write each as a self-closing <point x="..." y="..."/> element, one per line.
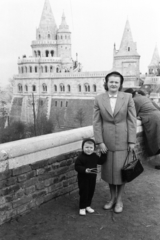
<point x="56" y="103"/>
<point x="128" y="49"/>
<point x="39" y="53"/>
<point x="25" y="69"/>
<point x="66" y="104"/>
<point x="61" y="103"/>
<point x="34" y="88"/>
<point x="68" y="88"/>
<point x="47" y="53"/>
<point x="42" y="69"/>
<point x="79" y="88"/>
<point x="22" y="69"/>
<point x="35" y="53"/>
<point x="35" y="68"/>
<point x="62" y="87"/>
<point x="57" y="69"/>
<point x="26" y="88"/>
<point x="30" y="68"/>
<point x="52" y="53"/>
<point x="45" y="68"/>
<point x="51" y="68"/>
<point x="39" y="36"/>
<point x="87" y="87"/>
<point x="55" y="88"/>
<point x="44" y="87"/>
<point x="94" y="88"/>
<point x="20" y="88"/>
<point x="49" y="36"/>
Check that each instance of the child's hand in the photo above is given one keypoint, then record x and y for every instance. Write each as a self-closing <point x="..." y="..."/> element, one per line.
<point x="92" y="170"/>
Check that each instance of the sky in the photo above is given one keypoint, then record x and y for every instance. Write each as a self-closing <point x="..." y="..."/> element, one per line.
<point x="95" y="25"/>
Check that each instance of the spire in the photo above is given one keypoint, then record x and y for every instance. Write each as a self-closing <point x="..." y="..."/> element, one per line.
<point x="127" y="36"/>
<point x="47" y="22"/>
<point x="155" y="58"/>
<point x="63" y="27"/>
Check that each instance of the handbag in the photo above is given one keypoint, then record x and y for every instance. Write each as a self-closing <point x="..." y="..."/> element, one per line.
<point x="131" y="170"/>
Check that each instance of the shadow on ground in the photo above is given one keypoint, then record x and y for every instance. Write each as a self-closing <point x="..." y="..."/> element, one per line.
<point x="59" y="219"/>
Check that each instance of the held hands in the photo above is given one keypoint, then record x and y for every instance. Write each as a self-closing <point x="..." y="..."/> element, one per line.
<point x="92" y="170"/>
<point x="102" y="147"/>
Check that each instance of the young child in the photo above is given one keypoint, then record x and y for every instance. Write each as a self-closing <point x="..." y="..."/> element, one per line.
<point x="86" y="166"/>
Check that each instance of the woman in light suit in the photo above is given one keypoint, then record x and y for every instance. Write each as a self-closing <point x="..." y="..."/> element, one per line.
<point x="114" y="124"/>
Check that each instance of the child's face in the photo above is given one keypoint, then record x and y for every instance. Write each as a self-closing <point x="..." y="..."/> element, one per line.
<point x="88" y="148"/>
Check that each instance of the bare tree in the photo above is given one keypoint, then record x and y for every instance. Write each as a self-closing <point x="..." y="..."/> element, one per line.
<point x="80" y="116"/>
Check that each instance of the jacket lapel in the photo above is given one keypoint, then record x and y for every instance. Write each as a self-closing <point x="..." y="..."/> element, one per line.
<point x="119" y="103"/>
<point x="106" y="103"/>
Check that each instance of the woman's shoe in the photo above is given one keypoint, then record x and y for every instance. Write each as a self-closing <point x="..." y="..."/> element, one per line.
<point x="118" y="207"/>
<point x="109" y="205"/>
<point x="82" y="212"/>
<point x="90" y="210"/>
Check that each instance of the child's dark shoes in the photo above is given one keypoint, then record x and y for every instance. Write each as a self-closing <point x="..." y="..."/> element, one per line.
<point x="90" y="210"/>
<point x="82" y="212"/>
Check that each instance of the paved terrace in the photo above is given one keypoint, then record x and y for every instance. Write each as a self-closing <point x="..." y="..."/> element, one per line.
<point x="56" y="217"/>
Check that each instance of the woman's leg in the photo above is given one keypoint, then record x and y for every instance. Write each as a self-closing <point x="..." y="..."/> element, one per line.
<point x="110" y="204"/>
<point x="120" y="190"/>
<point x="113" y="192"/>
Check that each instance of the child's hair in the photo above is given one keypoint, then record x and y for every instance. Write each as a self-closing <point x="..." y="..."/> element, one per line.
<point x="90" y="141"/>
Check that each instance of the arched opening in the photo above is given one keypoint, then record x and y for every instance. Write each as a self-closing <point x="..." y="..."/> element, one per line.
<point x="44" y="87"/>
<point x="41" y="69"/>
<point x="66" y="104"/>
<point x="20" y="87"/>
<point x="22" y="69"/>
<point x="35" y="68"/>
<point x="62" y="88"/>
<point x="68" y="88"/>
<point x="30" y="69"/>
<point x="128" y="49"/>
<point x="38" y="53"/>
<point x="47" y="53"/>
<point x="39" y="36"/>
<point x="35" y="53"/>
<point x="55" y="88"/>
<point x="86" y="87"/>
<point x="56" y="103"/>
<point x="26" y="88"/>
<point x="52" y="53"/>
<point x="61" y="37"/>
<point x="57" y="69"/>
<point x="45" y="68"/>
<point x="49" y="36"/>
<point x="25" y="69"/>
<point x="61" y="104"/>
<point x="79" y="88"/>
<point x="94" y="88"/>
<point x="34" y="88"/>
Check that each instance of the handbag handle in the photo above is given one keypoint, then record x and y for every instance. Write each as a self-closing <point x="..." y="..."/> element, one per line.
<point x="126" y="161"/>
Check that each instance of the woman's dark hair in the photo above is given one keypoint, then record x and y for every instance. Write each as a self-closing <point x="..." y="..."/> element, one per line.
<point x="116" y="74"/>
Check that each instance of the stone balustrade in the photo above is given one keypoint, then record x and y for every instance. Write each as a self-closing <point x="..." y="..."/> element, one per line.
<point x="36" y="170"/>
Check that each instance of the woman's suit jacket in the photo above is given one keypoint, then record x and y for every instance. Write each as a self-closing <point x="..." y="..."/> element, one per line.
<point x="116" y="129"/>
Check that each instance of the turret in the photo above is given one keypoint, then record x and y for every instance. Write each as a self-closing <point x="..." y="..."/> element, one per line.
<point x="64" y="39"/>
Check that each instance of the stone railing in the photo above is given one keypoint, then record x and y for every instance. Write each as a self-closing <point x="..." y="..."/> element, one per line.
<point x="38" y="169"/>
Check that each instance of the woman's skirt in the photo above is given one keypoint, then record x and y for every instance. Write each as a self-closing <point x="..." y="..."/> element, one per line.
<point x="111" y="169"/>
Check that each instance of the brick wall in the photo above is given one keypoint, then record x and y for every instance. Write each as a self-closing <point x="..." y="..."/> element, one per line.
<point x="34" y="171"/>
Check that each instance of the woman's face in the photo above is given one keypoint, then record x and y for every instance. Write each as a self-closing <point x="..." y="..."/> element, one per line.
<point x="114" y="83"/>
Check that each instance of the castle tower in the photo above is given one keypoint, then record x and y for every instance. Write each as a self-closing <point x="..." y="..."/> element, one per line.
<point x="45" y="44"/>
<point x="154" y="65"/>
<point x="126" y="59"/>
<point x="64" y="44"/>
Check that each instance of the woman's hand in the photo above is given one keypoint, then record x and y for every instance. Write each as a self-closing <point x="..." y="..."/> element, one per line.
<point x="102" y="147"/>
<point x="131" y="146"/>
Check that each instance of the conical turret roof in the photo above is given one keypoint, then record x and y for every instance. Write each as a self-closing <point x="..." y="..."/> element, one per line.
<point x="155" y="58"/>
<point x="63" y="27"/>
<point x="47" y="22"/>
<point x="127" y="36"/>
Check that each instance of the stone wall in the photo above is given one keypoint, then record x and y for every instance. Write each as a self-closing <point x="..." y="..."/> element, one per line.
<point x="36" y="170"/>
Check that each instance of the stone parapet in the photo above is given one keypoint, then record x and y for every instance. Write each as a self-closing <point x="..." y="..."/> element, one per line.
<point x="36" y="170"/>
